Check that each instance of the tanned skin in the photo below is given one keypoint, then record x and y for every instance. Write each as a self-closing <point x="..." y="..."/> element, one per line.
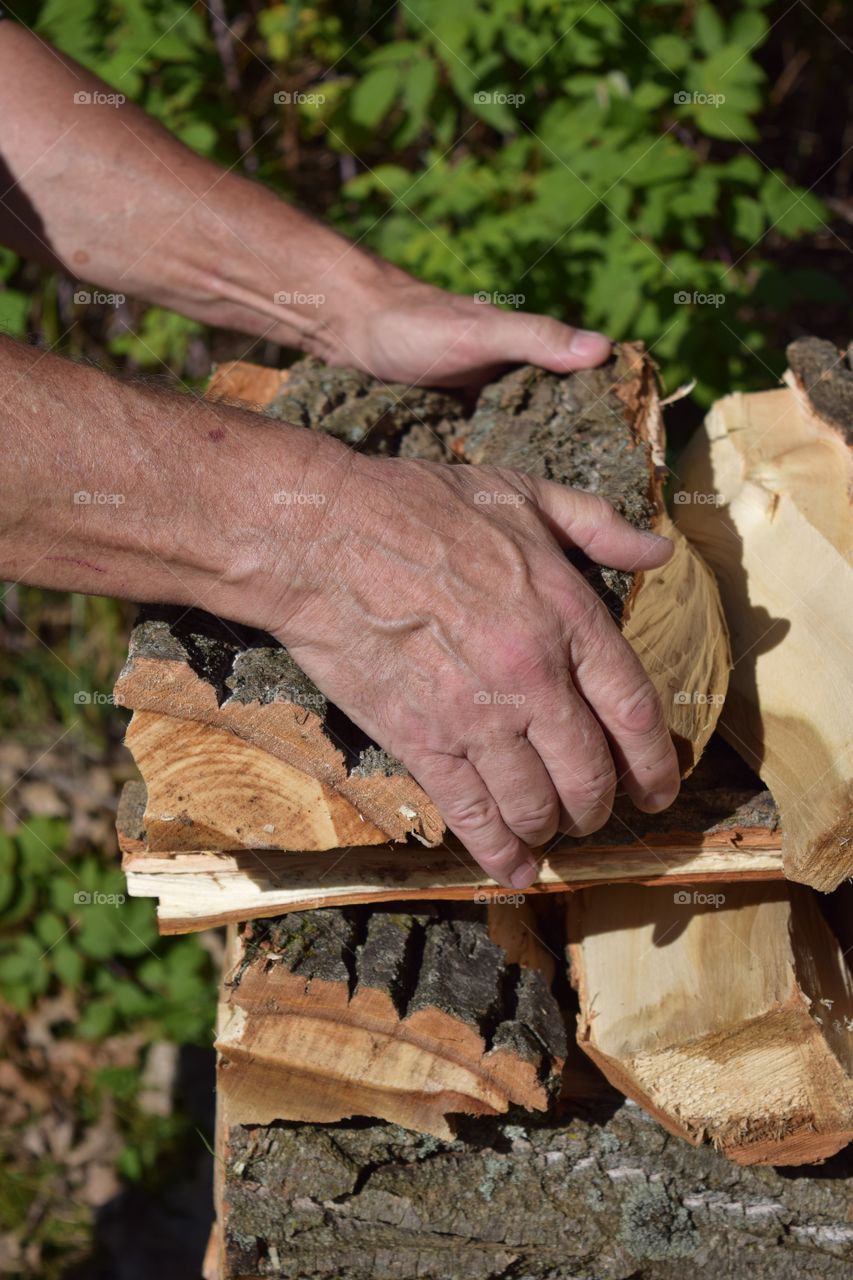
<point x="397" y="592"/>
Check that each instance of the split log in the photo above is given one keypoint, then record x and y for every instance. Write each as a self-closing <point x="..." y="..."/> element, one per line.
<point x="723" y="826"/>
<point x="239" y="749"/>
<point x="408" y="1015"/>
<point x="599" y="1191"/>
<point x="766" y="491"/>
<point x="727" y="1014"/>
<point x="209" y="785"/>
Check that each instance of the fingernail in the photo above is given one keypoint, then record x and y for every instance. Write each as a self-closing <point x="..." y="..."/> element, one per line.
<point x="657" y="539"/>
<point x="524" y="875"/>
<point x="589" y="345"/>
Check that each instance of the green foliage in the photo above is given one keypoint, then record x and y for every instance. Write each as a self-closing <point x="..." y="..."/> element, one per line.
<point x="58" y="661"/>
<point x="66" y="921"/>
<point x="598" y="159"/>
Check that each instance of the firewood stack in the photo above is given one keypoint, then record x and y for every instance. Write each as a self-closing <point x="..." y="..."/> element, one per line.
<point x="375" y="976"/>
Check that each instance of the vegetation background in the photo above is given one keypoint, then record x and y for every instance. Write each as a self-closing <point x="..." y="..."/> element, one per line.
<point x="611" y="162"/>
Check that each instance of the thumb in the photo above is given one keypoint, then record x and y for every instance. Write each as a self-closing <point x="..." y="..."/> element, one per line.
<point x="523" y="338"/>
<point x="590" y="522"/>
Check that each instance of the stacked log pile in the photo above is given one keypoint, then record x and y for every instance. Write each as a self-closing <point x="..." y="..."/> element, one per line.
<point x="416" y="1067"/>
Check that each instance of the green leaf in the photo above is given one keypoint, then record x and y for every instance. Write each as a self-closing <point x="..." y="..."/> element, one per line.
<point x="790" y="210"/>
<point x="396" y="52"/>
<point x="672" y="51"/>
<point x="50" y="928"/>
<point x="710" y="32"/>
<point x="72" y="27"/>
<point x="14" y="312"/>
<point x="725" y="122"/>
<point x="15" y="968"/>
<point x="744" y="168"/>
<point x="130" y="1164"/>
<point x="649" y="96"/>
<point x="68" y="964"/>
<point x="748" y="30"/>
<point x="198" y="135"/>
<point x="98" y="935"/>
<point x="43" y="844"/>
<point x="98" y="1020"/>
<point x="419" y="85"/>
<point x="372" y="97"/>
<point x="748" y="219"/>
<point x="8" y="878"/>
<point x="22" y="899"/>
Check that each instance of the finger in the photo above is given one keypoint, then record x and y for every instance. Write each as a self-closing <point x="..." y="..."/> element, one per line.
<point x="470" y="811"/>
<point x="519" y="782"/>
<point x="612" y="681"/>
<point x="590" y="522"/>
<point x="522" y="338"/>
<point x="572" y="747"/>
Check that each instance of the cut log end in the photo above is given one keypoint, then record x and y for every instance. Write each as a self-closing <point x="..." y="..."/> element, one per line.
<point x="727" y="1014"/>
<point x="412" y="1016"/>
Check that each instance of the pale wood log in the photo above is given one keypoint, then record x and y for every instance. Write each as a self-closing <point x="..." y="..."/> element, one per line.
<point x="210" y="789"/>
<point x="727" y="1013"/>
<point x="767" y="484"/>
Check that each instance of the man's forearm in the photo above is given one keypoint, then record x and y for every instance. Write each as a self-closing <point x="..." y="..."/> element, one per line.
<point x="105" y="192"/>
<point x="132" y="491"/>
<point x="116" y="200"/>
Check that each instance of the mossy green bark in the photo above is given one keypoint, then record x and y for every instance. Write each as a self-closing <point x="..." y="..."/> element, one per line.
<point x="603" y="1196"/>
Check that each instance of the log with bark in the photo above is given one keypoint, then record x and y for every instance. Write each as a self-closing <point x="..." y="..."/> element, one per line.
<point x="727" y="1012"/>
<point x="603" y="1193"/>
<point x="412" y="1015"/>
<point x="723" y="826"/>
<point x="239" y="750"/>
<point x="409" y="1055"/>
<point x="765" y="491"/>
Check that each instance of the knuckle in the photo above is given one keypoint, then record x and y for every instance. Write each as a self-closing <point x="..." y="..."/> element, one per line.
<point x="499" y="860"/>
<point x="537" y="819"/>
<point x="589" y="800"/>
<point x="522" y="660"/>
<point x="476" y="815"/>
<point x="600" y="508"/>
<point x="639" y="711"/>
<point x="587" y="617"/>
<point x="593" y="788"/>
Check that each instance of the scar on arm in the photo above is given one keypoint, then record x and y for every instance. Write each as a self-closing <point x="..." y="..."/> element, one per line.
<point x="84" y="564"/>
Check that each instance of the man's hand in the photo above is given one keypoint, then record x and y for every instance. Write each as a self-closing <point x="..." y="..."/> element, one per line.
<point x="438" y="610"/>
<point x="455" y="632"/>
<point x="433" y="603"/>
<point x="413" y="333"/>
<point x="108" y="194"/>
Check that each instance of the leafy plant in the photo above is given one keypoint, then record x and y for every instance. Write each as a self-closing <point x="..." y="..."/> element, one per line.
<point x="66" y="921"/>
<point x="601" y="161"/>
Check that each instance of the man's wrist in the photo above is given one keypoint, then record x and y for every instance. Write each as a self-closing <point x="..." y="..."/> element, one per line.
<point x="282" y="526"/>
<point x="283" y="276"/>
